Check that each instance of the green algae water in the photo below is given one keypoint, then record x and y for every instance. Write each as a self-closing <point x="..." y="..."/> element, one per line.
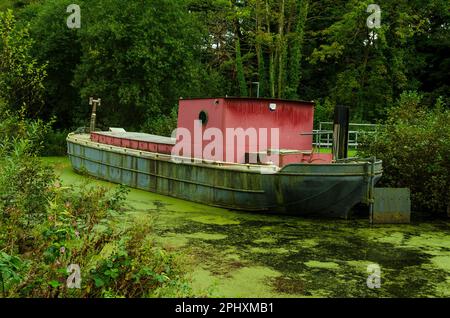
<point x="238" y="254"/>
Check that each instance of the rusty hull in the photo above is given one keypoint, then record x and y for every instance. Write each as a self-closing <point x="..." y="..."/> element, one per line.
<point x="300" y="189"/>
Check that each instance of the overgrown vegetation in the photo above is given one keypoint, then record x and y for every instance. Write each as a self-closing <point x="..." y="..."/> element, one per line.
<point x="46" y="229"/>
<point x="415" y="148"/>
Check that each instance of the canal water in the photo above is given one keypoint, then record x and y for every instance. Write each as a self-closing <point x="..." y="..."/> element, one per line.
<point x="237" y="254"/>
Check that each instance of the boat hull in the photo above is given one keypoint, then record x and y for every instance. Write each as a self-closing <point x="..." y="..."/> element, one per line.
<point x="300" y="189"/>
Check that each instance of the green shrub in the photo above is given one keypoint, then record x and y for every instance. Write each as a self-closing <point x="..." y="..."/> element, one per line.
<point x="415" y="149"/>
<point x="323" y="112"/>
<point x="55" y="143"/>
<point x="46" y="227"/>
<point x="161" y="125"/>
<point x="117" y="255"/>
<point x="10" y="266"/>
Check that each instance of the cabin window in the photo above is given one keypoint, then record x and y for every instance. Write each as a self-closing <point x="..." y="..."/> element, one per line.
<point x="203" y="117"/>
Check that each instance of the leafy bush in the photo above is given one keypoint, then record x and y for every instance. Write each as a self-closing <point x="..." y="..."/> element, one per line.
<point x="55" y="143"/>
<point x="415" y="148"/>
<point x="21" y="77"/>
<point x="323" y="112"/>
<point x="148" y="56"/>
<point x="161" y="125"/>
<point x="46" y="229"/>
<point x="117" y="255"/>
<point x="9" y="268"/>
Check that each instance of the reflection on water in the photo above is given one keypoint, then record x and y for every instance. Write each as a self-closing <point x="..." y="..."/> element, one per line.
<point x="236" y="254"/>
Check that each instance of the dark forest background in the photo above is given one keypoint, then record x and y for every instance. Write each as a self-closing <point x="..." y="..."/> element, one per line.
<point x="141" y="56"/>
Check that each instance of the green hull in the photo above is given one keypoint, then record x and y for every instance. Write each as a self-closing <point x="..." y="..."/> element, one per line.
<point x="300" y="189"/>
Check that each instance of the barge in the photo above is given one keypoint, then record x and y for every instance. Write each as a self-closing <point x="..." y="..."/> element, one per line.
<point x="279" y="173"/>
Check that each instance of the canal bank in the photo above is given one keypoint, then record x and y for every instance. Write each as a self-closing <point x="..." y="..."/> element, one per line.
<point x="237" y="254"/>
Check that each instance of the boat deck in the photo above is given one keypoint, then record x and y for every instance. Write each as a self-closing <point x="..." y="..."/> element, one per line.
<point x="135" y="140"/>
<point x="86" y="140"/>
<point x="163" y="145"/>
<point x="138" y="137"/>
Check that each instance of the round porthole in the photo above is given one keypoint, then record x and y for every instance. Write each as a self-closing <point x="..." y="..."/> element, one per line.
<point x="203" y="117"/>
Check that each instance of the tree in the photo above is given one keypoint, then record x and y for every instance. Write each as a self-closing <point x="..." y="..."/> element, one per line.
<point x="59" y="47"/>
<point x="368" y="69"/>
<point x="296" y="51"/>
<point x="139" y="58"/>
<point x="311" y="50"/>
<point x="21" y="77"/>
<point x="266" y="42"/>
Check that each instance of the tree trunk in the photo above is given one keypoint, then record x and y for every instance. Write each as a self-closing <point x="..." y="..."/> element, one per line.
<point x="271" y="55"/>
<point x="240" y="70"/>
<point x="281" y="51"/>
<point x="260" y="53"/>
<point x="243" y="92"/>
<point x="297" y="48"/>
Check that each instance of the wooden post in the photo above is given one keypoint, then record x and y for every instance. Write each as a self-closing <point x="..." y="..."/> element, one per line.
<point x="340" y="132"/>
<point x="94" y="103"/>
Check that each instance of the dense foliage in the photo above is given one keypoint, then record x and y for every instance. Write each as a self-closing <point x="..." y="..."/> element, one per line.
<point x="138" y="59"/>
<point x="414" y="145"/>
<point x="21" y="77"/>
<point x="141" y="56"/>
<point x="47" y="230"/>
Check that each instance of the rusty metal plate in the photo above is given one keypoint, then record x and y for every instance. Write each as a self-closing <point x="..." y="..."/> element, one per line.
<point x="392" y="205"/>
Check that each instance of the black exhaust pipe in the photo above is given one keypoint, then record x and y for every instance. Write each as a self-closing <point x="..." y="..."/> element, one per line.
<point x="340" y="132"/>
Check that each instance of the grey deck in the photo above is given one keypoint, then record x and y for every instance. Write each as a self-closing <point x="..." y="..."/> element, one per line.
<point x="139" y="137"/>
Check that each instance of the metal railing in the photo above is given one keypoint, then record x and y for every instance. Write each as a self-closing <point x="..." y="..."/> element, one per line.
<point x="324" y="138"/>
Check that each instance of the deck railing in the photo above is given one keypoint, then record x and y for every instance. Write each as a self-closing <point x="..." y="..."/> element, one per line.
<point x="323" y="138"/>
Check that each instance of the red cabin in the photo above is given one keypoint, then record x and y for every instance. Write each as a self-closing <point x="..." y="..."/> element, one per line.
<point x="253" y="116"/>
<point x="234" y="130"/>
